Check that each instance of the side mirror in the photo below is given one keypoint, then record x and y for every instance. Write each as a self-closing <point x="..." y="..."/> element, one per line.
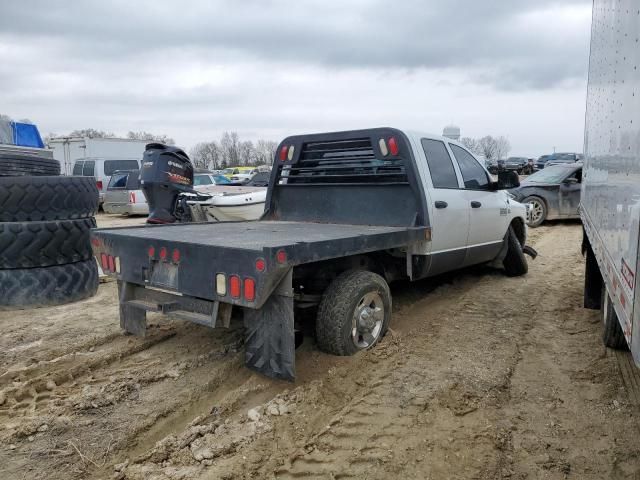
<point x="570" y="181"/>
<point x="508" y="179"/>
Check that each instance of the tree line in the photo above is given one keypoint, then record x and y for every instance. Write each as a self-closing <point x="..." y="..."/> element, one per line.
<point x="491" y="148"/>
<point x="231" y="151"/>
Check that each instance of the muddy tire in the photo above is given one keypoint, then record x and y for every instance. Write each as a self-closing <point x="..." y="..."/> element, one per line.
<point x="538" y="211"/>
<point x="43" y="244"/>
<point x="612" y="335"/>
<point x="34" y="199"/>
<point x="39" y="287"/>
<point x="354" y="313"/>
<point x="19" y="164"/>
<point x="515" y="263"/>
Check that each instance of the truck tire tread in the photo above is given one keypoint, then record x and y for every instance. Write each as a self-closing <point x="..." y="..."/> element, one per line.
<point x="333" y="324"/>
<point x="33" y="199"/>
<point x="43" y="244"/>
<point x="27" y="164"/>
<point x="48" y="286"/>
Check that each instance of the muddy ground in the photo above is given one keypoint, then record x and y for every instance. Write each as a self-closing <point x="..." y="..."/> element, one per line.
<point x="481" y="377"/>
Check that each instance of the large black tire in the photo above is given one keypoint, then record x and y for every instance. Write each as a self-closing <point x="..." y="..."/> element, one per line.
<point x="515" y="263"/>
<point x="612" y="334"/>
<point x="18" y="164"/>
<point x="39" y="287"/>
<point x="334" y="324"/>
<point x="30" y="199"/>
<point x="42" y="244"/>
<point x="539" y="213"/>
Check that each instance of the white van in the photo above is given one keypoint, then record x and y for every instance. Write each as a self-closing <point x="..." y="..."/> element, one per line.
<point x="102" y="169"/>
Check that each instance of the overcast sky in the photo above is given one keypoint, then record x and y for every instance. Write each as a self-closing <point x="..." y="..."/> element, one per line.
<point x="272" y="68"/>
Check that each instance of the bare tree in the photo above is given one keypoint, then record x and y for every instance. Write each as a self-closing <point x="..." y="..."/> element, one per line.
<point x="503" y="147"/>
<point x="150" y="137"/>
<point x="5" y="118"/>
<point x="207" y="155"/>
<point x="91" y="133"/>
<point x="265" y="152"/>
<point x="247" y="153"/>
<point x="472" y="144"/>
<point x="230" y="147"/>
<point x="493" y="148"/>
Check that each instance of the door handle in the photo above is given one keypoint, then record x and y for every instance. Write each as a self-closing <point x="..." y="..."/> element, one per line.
<point x="475" y="204"/>
<point x="441" y="204"/>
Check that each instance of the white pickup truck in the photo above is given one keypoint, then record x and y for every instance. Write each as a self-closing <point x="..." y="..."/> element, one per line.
<point x="346" y="213"/>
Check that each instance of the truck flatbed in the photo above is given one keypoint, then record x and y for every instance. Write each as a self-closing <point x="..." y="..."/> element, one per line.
<point x="328" y="239"/>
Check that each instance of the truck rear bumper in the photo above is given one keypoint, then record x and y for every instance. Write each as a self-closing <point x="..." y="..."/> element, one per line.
<point x="270" y="335"/>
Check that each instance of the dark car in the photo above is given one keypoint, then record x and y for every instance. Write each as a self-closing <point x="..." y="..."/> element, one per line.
<point x="551" y="193"/>
<point x="557" y="158"/>
<point x="517" y="164"/>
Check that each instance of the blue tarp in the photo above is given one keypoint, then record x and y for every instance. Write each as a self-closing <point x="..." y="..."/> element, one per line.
<point x="26" y="135"/>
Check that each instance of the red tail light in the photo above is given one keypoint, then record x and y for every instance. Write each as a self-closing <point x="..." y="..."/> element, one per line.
<point x="234" y="286"/>
<point x="112" y="264"/>
<point x="132" y="197"/>
<point x="95" y="242"/>
<point x="281" y="256"/>
<point x="163" y="254"/>
<point x="393" y="146"/>
<point x="175" y="256"/>
<point x="283" y="153"/>
<point x="249" y="289"/>
<point x="151" y="251"/>
<point x="104" y="261"/>
<point x="260" y="265"/>
<point x="99" y="184"/>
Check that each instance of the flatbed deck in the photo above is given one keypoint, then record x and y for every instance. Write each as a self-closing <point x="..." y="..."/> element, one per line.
<point x="255" y="236"/>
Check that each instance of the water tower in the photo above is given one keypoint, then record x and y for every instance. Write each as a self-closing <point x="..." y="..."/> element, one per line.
<point x="452" y="132"/>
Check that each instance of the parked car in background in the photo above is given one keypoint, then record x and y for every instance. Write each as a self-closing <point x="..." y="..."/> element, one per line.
<point x="562" y="158"/>
<point x="551" y="193"/>
<point x="260" y="179"/>
<point x="522" y="165"/>
<point x="203" y="179"/>
<point x="102" y="169"/>
<point x="557" y="158"/>
<point x="124" y="196"/>
<point x="240" y="175"/>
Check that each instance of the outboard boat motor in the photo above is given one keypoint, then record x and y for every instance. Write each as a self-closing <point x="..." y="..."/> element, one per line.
<point x="166" y="173"/>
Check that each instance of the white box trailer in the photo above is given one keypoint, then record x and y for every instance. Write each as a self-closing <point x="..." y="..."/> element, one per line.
<point x="610" y="197"/>
<point x="69" y="149"/>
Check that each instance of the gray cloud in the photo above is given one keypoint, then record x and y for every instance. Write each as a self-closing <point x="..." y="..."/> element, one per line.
<point x="488" y="36"/>
<point x="271" y="68"/>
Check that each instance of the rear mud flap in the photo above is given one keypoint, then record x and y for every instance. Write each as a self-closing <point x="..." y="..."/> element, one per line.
<point x="270" y="338"/>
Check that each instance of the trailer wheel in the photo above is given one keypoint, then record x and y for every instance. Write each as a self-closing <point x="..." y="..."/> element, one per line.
<point x="612" y="334"/>
<point x="515" y="263"/>
<point x="538" y="212"/>
<point x="354" y="313"/>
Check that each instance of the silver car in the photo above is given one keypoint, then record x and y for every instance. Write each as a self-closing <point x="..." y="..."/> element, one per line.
<point x="123" y="195"/>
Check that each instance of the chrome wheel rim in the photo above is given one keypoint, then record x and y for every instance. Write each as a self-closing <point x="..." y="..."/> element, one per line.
<point x="535" y="212"/>
<point x="367" y="320"/>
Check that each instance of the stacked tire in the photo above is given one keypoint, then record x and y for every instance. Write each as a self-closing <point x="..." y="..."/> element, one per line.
<point x="45" y="223"/>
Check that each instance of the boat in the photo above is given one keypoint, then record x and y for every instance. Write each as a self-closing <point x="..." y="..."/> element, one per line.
<point x="227" y="203"/>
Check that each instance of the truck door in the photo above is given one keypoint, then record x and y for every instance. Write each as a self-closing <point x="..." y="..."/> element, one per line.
<point x="570" y="194"/>
<point x="488" y="209"/>
<point x="447" y="208"/>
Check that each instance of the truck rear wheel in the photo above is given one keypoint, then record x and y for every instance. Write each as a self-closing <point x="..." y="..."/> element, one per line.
<point x="515" y="263"/>
<point x="354" y="313"/>
<point x="612" y="334"/>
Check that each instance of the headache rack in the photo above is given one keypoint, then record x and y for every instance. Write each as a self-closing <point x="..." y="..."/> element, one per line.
<point x="349" y="161"/>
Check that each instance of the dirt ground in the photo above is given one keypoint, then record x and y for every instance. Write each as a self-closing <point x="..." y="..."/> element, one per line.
<point x="481" y="377"/>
